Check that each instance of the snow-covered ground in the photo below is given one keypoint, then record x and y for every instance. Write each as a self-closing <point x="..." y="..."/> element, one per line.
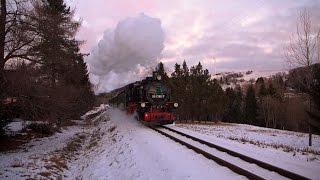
<point x="129" y="150"/>
<point x="247" y="77"/>
<point x="114" y="145"/>
<point x="253" y="75"/>
<point x="262" y="73"/>
<point x="285" y="149"/>
<point x="14" y="127"/>
<point x="34" y="158"/>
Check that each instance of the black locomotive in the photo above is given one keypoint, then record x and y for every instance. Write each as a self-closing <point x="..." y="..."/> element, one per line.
<point x="149" y="98"/>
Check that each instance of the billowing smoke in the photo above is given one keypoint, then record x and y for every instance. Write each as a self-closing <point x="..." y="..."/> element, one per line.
<point x="124" y="54"/>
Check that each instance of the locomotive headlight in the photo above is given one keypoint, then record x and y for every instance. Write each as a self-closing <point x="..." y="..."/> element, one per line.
<point x="159" y="77"/>
<point x="175" y="104"/>
<point x="143" y="104"/>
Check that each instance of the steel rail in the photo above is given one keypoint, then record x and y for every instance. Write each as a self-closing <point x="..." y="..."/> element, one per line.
<point x="222" y="162"/>
<point x="218" y="160"/>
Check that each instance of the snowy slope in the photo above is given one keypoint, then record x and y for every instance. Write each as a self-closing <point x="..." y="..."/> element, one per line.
<point x="30" y="160"/>
<point x="252" y="75"/>
<point x="243" y="78"/>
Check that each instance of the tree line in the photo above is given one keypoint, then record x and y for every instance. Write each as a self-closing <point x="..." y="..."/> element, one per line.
<point x="274" y="102"/>
<point x="42" y="71"/>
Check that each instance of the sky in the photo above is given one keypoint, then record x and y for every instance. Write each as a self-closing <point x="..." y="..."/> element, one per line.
<point x="223" y="35"/>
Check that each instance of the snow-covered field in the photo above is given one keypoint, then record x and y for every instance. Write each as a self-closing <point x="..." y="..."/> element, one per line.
<point x="259" y="136"/>
<point x="285" y="149"/>
<point x="114" y="145"/>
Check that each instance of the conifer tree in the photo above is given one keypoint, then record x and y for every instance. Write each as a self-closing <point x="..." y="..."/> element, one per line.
<point x="161" y="70"/>
<point x="59" y="59"/>
<point x="271" y="90"/>
<point x="177" y="71"/>
<point x="238" y="104"/>
<point x="315" y="94"/>
<point x="250" y="106"/>
<point x="185" y="69"/>
<point x="57" y="47"/>
<point x="230" y="96"/>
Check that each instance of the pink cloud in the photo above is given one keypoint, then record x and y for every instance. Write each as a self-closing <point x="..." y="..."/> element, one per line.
<point x="199" y="29"/>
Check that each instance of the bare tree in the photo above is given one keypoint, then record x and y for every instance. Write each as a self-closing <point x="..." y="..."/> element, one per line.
<point x="15" y="33"/>
<point x="302" y="52"/>
<point x="302" y="49"/>
<point x="271" y="111"/>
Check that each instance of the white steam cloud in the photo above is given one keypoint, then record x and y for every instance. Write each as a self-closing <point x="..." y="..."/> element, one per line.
<point x="124" y="54"/>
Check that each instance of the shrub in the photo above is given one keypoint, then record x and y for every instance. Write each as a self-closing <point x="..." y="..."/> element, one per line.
<point x="42" y="128"/>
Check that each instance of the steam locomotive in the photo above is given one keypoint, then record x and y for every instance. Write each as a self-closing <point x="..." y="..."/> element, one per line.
<point x="149" y="98"/>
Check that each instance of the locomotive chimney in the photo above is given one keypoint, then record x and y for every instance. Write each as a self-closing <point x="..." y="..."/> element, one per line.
<point x="156" y="76"/>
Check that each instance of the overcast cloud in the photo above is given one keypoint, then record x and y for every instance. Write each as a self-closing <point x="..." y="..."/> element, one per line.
<point x="245" y="34"/>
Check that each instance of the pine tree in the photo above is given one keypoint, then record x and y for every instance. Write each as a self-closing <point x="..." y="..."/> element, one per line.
<point x="161" y="71"/>
<point x="250" y="106"/>
<point x="233" y="106"/>
<point x="228" y="114"/>
<point x="59" y="58"/>
<point x="263" y="90"/>
<point x="177" y="71"/>
<point x="186" y="91"/>
<point x="271" y="90"/>
<point x="238" y="104"/>
<point x="177" y="86"/>
<point x="216" y="100"/>
<point x="185" y="69"/>
<point x="57" y="47"/>
<point x="314" y="114"/>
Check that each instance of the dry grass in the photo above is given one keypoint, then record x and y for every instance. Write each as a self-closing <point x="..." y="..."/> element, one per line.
<point x="285" y="148"/>
<point x="75" y="144"/>
<point x="194" y="122"/>
<point x="72" y="146"/>
<point x="59" y="161"/>
<point x="56" y="162"/>
<point x="112" y="128"/>
<point x="45" y="174"/>
<point x="311" y="151"/>
<point x="17" y="163"/>
<point x="188" y="122"/>
<point x="275" y="131"/>
<point x="92" y="144"/>
<point x="82" y="136"/>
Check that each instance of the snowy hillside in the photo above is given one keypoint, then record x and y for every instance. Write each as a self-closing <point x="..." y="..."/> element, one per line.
<point x="114" y="145"/>
<point x="247" y="75"/>
<point x="231" y="79"/>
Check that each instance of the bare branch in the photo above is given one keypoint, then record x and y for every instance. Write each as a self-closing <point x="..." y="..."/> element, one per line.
<point x="301" y="50"/>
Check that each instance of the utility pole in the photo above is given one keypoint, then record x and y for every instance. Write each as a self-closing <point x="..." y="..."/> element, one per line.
<point x="215" y="65"/>
<point x="318" y="46"/>
<point x="310" y="127"/>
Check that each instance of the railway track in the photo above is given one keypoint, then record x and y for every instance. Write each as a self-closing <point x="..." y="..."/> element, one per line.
<point x="239" y="163"/>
